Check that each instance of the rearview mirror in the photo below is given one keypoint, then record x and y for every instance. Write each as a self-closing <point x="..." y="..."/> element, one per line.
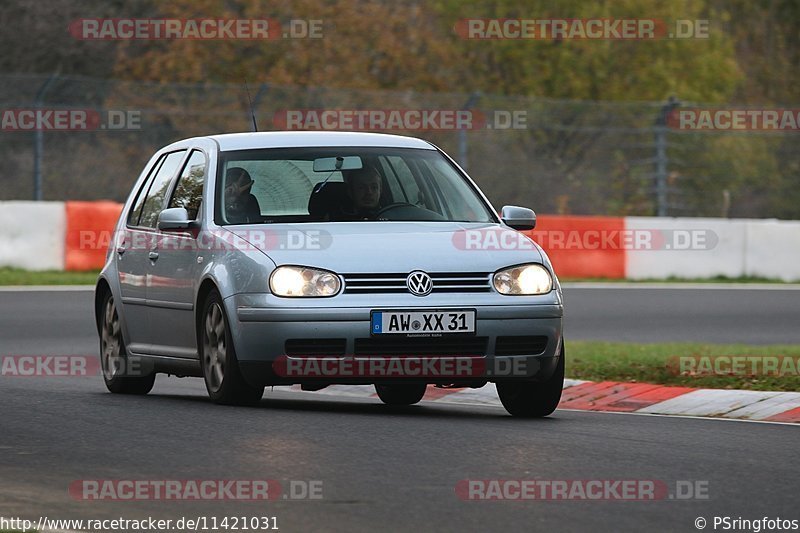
<point x="174" y="218"/>
<point x="330" y="164"/>
<point x="519" y="218"/>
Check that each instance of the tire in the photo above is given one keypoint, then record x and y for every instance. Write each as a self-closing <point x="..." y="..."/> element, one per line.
<point x="224" y="381"/>
<point x="533" y="399"/>
<point x="114" y="359"/>
<point x="403" y="394"/>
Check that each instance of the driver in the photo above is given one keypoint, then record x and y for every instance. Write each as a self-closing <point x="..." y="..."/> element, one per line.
<point x="364" y="189"/>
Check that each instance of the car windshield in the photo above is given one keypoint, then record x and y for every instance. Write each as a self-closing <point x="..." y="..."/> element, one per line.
<point x="338" y="184"/>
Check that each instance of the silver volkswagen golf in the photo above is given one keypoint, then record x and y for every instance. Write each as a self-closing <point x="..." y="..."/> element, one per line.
<point x="319" y="258"/>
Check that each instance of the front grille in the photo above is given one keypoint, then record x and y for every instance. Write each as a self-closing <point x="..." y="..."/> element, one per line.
<point x="521" y="345"/>
<point x="425" y="346"/>
<point x="396" y="283"/>
<point x="299" y="347"/>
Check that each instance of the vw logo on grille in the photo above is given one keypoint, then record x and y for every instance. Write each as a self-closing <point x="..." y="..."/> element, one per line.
<point x="419" y="283"/>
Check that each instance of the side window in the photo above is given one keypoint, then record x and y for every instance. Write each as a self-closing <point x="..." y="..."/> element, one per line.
<point x="156" y="196"/>
<point x="136" y="209"/>
<point x="189" y="190"/>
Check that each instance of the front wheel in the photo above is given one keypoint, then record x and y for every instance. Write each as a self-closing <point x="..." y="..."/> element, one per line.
<point x="533" y="399"/>
<point x="116" y="365"/>
<point x="224" y="381"/>
<point x="403" y="394"/>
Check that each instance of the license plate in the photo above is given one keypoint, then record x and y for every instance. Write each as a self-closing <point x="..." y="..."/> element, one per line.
<point x="423" y="323"/>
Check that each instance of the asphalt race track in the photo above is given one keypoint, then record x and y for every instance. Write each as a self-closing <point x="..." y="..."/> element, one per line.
<point x="394" y="469"/>
<point x="713" y="314"/>
<point x="61" y="322"/>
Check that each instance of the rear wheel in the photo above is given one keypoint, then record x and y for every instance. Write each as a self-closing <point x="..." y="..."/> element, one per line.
<point x="402" y="394"/>
<point x="221" y="373"/>
<point x="117" y="366"/>
<point x="533" y="399"/>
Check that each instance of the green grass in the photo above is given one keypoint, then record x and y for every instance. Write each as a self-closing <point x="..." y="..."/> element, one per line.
<point x="648" y="363"/>
<point x="15" y="276"/>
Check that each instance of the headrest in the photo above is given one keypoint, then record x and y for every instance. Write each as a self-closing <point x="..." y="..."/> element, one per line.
<point x="328" y="198"/>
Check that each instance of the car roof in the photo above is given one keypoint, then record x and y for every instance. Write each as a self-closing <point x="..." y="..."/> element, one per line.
<point x="295" y="139"/>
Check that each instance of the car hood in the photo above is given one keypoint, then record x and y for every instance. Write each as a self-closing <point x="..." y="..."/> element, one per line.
<point x="392" y="247"/>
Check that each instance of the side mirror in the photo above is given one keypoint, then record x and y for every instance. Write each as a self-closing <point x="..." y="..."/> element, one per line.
<point x="519" y="218"/>
<point x="174" y="218"/>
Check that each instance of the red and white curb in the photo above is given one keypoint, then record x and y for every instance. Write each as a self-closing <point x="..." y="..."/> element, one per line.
<point x="611" y="396"/>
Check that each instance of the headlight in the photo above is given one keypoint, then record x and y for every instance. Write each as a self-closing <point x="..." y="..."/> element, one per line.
<point x="523" y="280"/>
<point x="301" y="281"/>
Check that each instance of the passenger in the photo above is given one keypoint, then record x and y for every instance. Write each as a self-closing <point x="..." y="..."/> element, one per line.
<point x="241" y="207"/>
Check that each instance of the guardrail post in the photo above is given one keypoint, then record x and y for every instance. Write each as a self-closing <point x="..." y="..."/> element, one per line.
<point x="661" y="159"/>
<point x="38" y="143"/>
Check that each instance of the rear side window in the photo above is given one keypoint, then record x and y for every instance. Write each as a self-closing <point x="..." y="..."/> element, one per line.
<point x="189" y="190"/>
<point x="136" y="210"/>
<point x="157" y="194"/>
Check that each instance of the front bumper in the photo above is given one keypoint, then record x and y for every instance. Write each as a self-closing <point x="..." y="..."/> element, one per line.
<point x="262" y="324"/>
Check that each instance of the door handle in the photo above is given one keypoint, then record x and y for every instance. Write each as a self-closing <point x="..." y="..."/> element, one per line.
<point x="153" y="256"/>
<point x="121" y="250"/>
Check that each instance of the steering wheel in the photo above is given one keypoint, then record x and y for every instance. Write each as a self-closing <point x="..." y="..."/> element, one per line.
<point x="395" y="205"/>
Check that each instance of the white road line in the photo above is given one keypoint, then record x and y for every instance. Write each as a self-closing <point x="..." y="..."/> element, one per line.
<point x="691" y="417"/>
<point x="709" y="402"/>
